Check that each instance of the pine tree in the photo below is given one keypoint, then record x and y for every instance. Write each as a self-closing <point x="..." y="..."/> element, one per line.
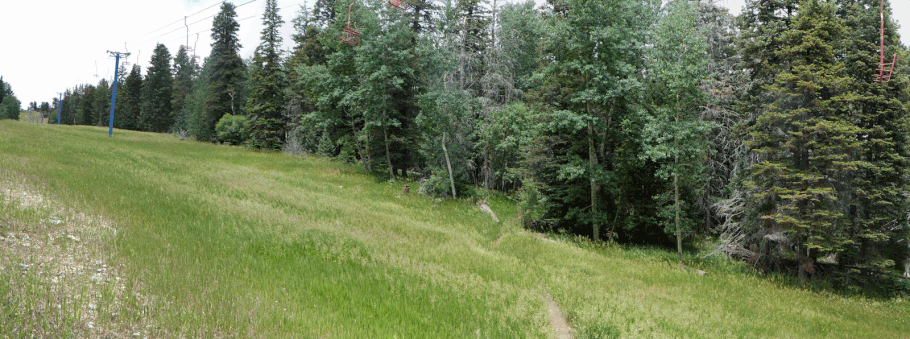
<point x="102" y="103"/>
<point x="521" y="31"/>
<point x="308" y="49"/>
<point x="268" y="83"/>
<point x="3" y="87"/>
<point x="184" y="74"/>
<point x="156" y="113"/>
<point x="874" y="198"/>
<point x="806" y="139"/>
<point x="127" y="113"/>
<point x="324" y="13"/>
<point x="9" y="104"/>
<point x="226" y="75"/>
<point x="87" y="113"/>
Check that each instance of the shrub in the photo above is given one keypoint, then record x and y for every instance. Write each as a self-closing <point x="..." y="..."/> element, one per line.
<point x="233" y="129"/>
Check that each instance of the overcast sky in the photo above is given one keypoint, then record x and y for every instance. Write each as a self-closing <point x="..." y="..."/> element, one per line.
<point x="47" y="46"/>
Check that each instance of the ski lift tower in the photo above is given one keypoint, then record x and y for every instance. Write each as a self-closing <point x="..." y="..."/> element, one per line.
<point x="884" y="70"/>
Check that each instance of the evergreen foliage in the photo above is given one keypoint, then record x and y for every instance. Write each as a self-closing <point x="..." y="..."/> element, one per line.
<point x="656" y="122"/>
<point x="102" y="103"/>
<point x="9" y="103"/>
<point x="131" y="92"/>
<point x="156" y="111"/>
<point x="227" y="71"/>
<point x="185" y="70"/>
<point x="233" y="129"/>
<point x="266" y="105"/>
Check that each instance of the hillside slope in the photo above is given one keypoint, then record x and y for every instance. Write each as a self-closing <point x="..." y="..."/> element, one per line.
<point x="232" y="242"/>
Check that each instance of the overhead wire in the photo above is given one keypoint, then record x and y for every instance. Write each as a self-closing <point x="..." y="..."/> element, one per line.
<point x="195" y="22"/>
<point x="209" y="29"/>
<point x="179" y="20"/>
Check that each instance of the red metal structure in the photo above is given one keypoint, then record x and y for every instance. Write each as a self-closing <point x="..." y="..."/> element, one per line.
<point x="883" y="72"/>
<point x="399" y="5"/>
<point x="349" y="35"/>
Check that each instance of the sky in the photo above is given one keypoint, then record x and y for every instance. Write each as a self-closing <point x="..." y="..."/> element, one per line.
<point x="47" y="46"/>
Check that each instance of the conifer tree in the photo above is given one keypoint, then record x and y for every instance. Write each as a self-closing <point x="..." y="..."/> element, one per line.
<point x="156" y="113"/>
<point x="87" y="100"/>
<point x="308" y="50"/>
<point x="874" y="198"/>
<point x="268" y="83"/>
<point x="3" y="86"/>
<point x="127" y="116"/>
<point x="226" y="71"/>
<point x="805" y="138"/>
<point x="9" y="104"/>
<point x="102" y="103"/>
<point x="184" y="74"/>
<point x="324" y="12"/>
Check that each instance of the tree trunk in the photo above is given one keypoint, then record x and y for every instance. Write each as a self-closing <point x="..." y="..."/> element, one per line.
<point x="676" y="183"/>
<point x="488" y="182"/>
<point x="801" y="261"/>
<point x="592" y="161"/>
<point x="448" y="164"/>
<point x="363" y="157"/>
<point x="388" y="155"/>
<point x="676" y="202"/>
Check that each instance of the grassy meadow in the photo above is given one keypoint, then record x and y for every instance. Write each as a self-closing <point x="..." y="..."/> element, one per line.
<point x="229" y="242"/>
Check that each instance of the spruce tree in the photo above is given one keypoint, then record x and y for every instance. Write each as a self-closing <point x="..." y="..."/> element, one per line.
<point x="156" y="113"/>
<point x="184" y="75"/>
<point x="308" y="50"/>
<point x="127" y="116"/>
<point x="226" y="71"/>
<point x="874" y="198"/>
<point x="3" y="86"/>
<point x="806" y="139"/>
<point x="87" y="106"/>
<point x="102" y="103"/>
<point x="268" y="82"/>
<point x="324" y="12"/>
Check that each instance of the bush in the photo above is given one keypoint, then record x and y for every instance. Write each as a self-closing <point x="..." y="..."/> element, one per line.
<point x="233" y="129"/>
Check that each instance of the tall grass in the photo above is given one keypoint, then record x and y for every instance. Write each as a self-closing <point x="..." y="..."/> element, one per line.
<point x="232" y="242"/>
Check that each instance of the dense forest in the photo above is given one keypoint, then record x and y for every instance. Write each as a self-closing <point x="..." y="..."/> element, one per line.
<point x="9" y="103"/>
<point x="770" y="135"/>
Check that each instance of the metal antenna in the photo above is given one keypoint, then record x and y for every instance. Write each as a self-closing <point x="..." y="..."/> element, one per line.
<point x="96" y="68"/>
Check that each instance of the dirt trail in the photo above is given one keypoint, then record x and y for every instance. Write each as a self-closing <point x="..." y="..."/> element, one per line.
<point x="558" y="320"/>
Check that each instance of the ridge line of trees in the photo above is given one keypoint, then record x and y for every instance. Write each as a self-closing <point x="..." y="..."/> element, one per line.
<point x="633" y="121"/>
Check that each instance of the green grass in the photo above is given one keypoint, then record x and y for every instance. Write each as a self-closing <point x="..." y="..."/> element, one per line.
<point x="232" y="242"/>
